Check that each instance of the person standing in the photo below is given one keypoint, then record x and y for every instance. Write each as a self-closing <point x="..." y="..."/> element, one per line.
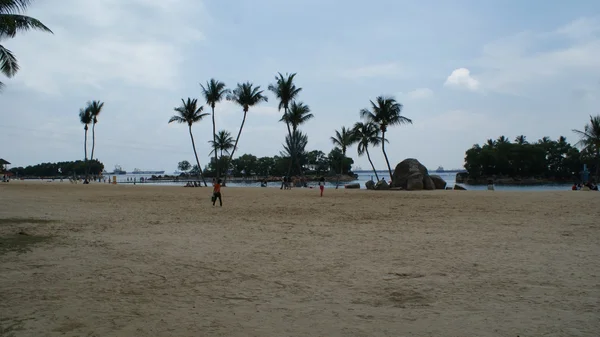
<point x="217" y="193"/>
<point x="322" y="185"/>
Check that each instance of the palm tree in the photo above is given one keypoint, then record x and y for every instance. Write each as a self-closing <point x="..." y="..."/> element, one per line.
<point x="190" y="113"/>
<point x="502" y="140"/>
<point x="11" y="22"/>
<point x="85" y="117"/>
<point x="214" y="92"/>
<point x="223" y="143"/>
<point x="590" y="139"/>
<point x="295" y="144"/>
<point x="521" y="140"/>
<point x="385" y="112"/>
<point x="367" y="134"/>
<point x="95" y="108"/>
<point x="286" y="92"/>
<point x="245" y="95"/>
<point x="343" y="139"/>
<point x="298" y="114"/>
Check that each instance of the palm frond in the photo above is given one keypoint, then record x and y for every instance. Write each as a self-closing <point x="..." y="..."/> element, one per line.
<point x="11" y="24"/>
<point x="13" y="6"/>
<point x="85" y="117"/>
<point x="247" y="95"/>
<point x="284" y="89"/>
<point x="8" y="62"/>
<point x="214" y="92"/>
<point x="188" y="112"/>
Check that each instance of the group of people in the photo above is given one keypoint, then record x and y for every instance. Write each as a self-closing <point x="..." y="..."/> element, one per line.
<point x="5" y="178"/>
<point x="589" y="184"/>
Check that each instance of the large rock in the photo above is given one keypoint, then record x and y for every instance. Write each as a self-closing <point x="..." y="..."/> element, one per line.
<point x="405" y="169"/>
<point x="370" y="185"/>
<point x="354" y="185"/>
<point x="382" y="185"/>
<point x="459" y="188"/>
<point x="428" y="183"/>
<point x="440" y="184"/>
<point x="414" y="182"/>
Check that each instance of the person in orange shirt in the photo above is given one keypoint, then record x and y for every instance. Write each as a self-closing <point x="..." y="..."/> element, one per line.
<point x="217" y="193"/>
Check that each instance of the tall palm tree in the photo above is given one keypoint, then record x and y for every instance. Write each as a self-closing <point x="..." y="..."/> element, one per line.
<point x="343" y="139"/>
<point x="12" y="22"/>
<point x="95" y="108"/>
<point x="590" y="139"/>
<point x="223" y="142"/>
<point x="385" y="112"/>
<point x="298" y="114"/>
<point x="295" y="144"/>
<point x="190" y="113"/>
<point x="521" y="140"/>
<point x="245" y="95"/>
<point x="286" y="92"/>
<point x="85" y="117"/>
<point x="213" y="93"/>
<point x="367" y="134"/>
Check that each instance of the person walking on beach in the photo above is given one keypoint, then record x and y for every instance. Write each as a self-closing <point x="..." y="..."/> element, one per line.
<point x="322" y="185"/>
<point x="217" y="193"/>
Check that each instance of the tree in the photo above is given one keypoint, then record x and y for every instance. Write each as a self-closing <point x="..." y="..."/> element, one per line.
<point x="12" y="22"/>
<point x="95" y="108"/>
<point x="214" y="92"/>
<point x="245" y="95"/>
<point x="338" y="162"/>
<point x="343" y="139"/>
<point x="589" y="140"/>
<point x="286" y="92"/>
<point x="521" y="140"/>
<point x="367" y="134"/>
<point x="184" y="166"/>
<point x="296" y="144"/>
<point x="85" y="117"/>
<point x="385" y="112"/>
<point x="298" y="114"/>
<point x="189" y="113"/>
<point x="223" y="142"/>
<point x="318" y="160"/>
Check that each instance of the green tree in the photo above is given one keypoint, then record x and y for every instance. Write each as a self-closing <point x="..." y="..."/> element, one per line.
<point x="318" y="160"/>
<point x="296" y="144"/>
<point x="184" y="166"/>
<point x="589" y="140"/>
<point x="298" y="114"/>
<point x="189" y="113"/>
<point x="385" y="112"/>
<point x="338" y="162"/>
<point x="286" y="92"/>
<point x="367" y="134"/>
<point x="12" y="21"/>
<point x="245" y="165"/>
<point x="213" y="93"/>
<point x="224" y="142"/>
<point x="343" y="139"/>
<point x="85" y="117"/>
<point x="95" y="108"/>
<point x="521" y="140"/>
<point x="245" y="95"/>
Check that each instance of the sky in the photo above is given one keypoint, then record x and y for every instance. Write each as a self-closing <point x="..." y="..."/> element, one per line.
<point x="464" y="70"/>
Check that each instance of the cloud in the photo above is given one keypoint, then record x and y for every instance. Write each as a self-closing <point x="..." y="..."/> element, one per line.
<point x="376" y="70"/>
<point x="420" y="93"/>
<point x="461" y="78"/>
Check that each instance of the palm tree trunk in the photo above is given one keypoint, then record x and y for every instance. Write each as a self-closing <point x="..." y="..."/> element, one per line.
<point x="337" y="184"/>
<point x="200" y="175"/>
<point x="234" y="147"/>
<point x="93" y="143"/>
<point x="85" y="152"/>
<point x="215" y="142"/>
<point x="385" y="155"/>
<point x="373" y="166"/>
<point x="292" y="146"/>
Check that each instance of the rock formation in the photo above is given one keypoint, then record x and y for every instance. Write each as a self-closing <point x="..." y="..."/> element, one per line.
<point x="411" y="175"/>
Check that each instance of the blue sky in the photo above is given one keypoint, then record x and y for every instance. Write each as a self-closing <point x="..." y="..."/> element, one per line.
<point x="465" y="71"/>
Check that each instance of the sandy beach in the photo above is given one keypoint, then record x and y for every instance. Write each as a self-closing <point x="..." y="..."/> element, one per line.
<point x="104" y="260"/>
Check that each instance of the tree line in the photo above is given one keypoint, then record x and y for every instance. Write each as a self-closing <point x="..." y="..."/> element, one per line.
<point x="544" y="158"/>
<point x="60" y="169"/>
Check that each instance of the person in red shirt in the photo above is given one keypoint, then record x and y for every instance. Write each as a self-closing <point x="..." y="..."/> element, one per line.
<point x="217" y="193"/>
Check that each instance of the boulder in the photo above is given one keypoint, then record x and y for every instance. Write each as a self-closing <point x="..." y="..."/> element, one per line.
<point x="382" y="185"/>
<point x="414" y="182"/>
<point x="428" y="183"/>
<point x="440" y="184"/>
<point x="355" y="185"/>
<point x="405" y="169"/>
<point x="459" y="188"/>
<point x="370" y="185"/>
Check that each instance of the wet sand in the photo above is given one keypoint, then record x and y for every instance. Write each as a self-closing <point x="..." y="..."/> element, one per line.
<point x="161" y="261"/>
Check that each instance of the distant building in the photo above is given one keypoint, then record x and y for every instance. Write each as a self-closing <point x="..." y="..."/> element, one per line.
<point x="3" y="165"/>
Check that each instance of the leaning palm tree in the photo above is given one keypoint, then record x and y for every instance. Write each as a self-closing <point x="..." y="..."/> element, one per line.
<point x="385" y="112"/>
<point x="286" y="92"/>
<point x="367" y="134"/>
<point x="343" y="139"/>
<point x="223" y="142"/>
<point x="298" y="114"/>
<point x="11" y="22"/>
<point x="85" y="117"/>
<point x="245" y="95"/>
<point x="213" y="93"/>
<point x="95" y="108"/>
<point x="590" y="139"/>
<point x="190" y="113"/>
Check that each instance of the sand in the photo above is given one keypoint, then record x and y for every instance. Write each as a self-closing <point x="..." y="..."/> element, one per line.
<point x="161" y="261"/>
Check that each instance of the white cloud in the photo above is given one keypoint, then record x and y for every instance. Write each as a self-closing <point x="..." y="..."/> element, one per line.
<point x="376" y="70"/>
<point x="420" y="93"/>
<point x="461" y="78"/>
